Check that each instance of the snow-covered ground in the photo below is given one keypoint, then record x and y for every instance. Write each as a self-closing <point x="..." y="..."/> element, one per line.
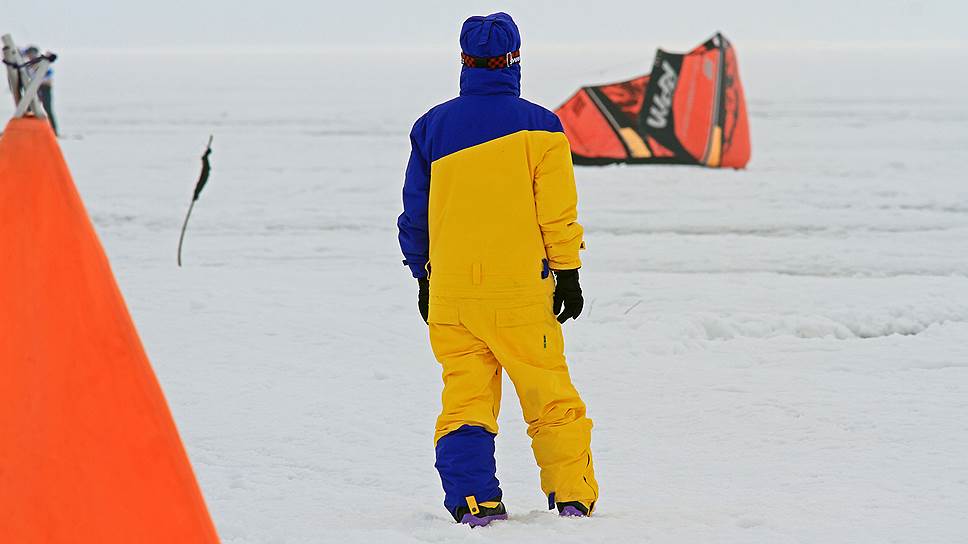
<point x="772" y="355"/>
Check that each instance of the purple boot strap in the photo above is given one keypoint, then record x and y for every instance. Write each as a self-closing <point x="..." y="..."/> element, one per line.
<point x="474" y="521"/>
<point x="571" y="511"/>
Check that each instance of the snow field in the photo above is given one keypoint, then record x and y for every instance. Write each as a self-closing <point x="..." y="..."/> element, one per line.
<point x="773" y="355"/>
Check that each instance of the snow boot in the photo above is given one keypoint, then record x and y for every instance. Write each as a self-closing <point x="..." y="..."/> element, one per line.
<point x="479" y="514"/>
<point x="574" y="509"/>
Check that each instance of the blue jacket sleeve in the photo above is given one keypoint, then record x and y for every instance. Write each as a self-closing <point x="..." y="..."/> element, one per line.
<point x="412" y="223"/>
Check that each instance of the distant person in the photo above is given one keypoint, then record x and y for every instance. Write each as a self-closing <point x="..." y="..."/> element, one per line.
<point x="489" y="215"/>
<point x="45" y="93"/>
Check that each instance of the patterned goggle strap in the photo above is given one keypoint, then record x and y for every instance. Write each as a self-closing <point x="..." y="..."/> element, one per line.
<point x="491" y="63"/>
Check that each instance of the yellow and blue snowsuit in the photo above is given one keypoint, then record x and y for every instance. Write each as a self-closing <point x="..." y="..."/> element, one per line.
<point x="489" y="208"/>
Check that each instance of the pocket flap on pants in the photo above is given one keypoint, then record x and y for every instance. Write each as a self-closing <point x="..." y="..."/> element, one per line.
<point x="443" y="315"/>
<point x="512" y="317"/>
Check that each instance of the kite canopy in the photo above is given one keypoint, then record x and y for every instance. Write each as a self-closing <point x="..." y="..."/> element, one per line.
<point x="689" y="110"/>
<point x="88" y="449"/>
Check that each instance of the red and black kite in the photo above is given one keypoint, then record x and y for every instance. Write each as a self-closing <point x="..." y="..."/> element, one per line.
<point x="689" y="110"/>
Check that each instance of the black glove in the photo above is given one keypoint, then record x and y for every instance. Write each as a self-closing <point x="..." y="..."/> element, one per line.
<point x="423" y="297"/>
<point x="567" y="291"/>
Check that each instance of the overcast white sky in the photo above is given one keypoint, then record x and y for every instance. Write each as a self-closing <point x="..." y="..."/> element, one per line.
<point x="186" y="23"/>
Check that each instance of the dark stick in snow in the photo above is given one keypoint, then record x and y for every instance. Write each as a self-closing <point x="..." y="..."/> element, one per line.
<point x="202" y="180"/>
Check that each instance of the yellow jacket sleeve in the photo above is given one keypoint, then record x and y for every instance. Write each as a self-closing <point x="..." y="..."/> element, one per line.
<point x="556" y="200"/>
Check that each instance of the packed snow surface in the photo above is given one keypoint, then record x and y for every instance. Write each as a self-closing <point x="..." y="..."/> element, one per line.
<point x="772" y="355"/>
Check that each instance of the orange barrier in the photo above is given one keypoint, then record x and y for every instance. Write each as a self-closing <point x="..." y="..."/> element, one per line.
<point x="88" y="449"/>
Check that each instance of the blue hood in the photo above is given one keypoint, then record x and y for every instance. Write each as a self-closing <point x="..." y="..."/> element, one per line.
<point x="491" y="36"/>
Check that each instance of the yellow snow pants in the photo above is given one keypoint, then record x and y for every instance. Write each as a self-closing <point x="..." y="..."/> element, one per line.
<point x="474" y="339"/>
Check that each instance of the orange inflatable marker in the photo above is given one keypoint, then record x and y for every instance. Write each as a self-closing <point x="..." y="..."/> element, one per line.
<point x="89" y="452"/>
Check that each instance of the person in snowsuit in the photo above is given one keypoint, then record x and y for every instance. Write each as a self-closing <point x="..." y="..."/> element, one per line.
<point x="490" y="231"/>
<point x="46" y="90"/>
